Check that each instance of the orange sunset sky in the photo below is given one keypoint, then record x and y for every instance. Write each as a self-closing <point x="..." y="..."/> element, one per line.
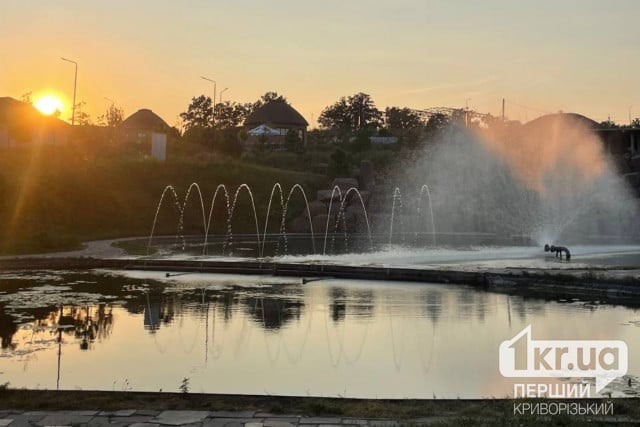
<point x="542" y="55"/>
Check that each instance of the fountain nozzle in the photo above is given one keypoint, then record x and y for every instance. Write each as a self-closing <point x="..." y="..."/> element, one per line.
<point x="558" y="250"/>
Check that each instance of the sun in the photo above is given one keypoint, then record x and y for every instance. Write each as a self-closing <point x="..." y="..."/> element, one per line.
<point x="49" y="105"/>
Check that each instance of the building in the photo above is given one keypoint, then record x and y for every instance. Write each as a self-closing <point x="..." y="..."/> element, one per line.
<point x="141" y="126"/>
<point x="22" y="125"/>
<point x="279" y="116"/>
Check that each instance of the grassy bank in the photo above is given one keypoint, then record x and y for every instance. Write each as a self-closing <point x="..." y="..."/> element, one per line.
<point x="436" y="412"/>
<point x="53" y="198"/>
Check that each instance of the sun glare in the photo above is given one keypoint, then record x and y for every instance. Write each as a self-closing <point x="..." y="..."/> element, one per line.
<point x="49" y="105"/>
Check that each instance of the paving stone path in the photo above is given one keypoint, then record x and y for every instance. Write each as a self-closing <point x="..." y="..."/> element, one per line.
<point x="149" y="418"/>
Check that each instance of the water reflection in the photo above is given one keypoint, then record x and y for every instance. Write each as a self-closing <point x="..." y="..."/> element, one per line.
<point x="237" y="334"/>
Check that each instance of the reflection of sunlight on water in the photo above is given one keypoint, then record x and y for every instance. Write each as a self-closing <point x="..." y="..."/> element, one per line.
<point x="328" y="337"/>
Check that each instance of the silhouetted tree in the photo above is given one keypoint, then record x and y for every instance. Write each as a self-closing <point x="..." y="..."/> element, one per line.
<point x="199" y="113"/>
<point x="339" y="164"/>
<point x="272" y="96"/>
<point x="82" y="117"/>
<point x="350" y="114"/>
<point x="230" y="114"/>
<point x="436" y="124"/>
<point x="609" y="124"/>
<point x="635" y="123"/>
<point x="292" y="141"/>
<point x="26" y="97"/>
<point x="112" y="117"/>
<point x="405" y="124"/>
<point x="264" y="99"/>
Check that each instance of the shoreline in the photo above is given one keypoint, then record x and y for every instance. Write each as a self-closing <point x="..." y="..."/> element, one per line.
<point x="303" y="410"/>
<point x="613" y="285"/>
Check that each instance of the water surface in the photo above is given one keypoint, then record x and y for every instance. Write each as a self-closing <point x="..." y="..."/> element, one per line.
<point x="271" y="335"/>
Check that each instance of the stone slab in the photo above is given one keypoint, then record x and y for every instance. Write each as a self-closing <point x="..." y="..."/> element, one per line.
<point x="120" y="413"/>
<point x="5" y="421"/>
<point x="135" y="419"/>
<point x="383" y="423"/>
<point x="63" y="419"/>
<point x="179" y="418"/>
<point x="99" y="421"/>
<point x="280" y="423"/>
<point x="19" y="421"/>
<point x="282" y="419"/>
<point x="320" y="420"/>
<point x="232" y="414"/>
<point x="238" y="420"/>
<point x="148" y="412"/>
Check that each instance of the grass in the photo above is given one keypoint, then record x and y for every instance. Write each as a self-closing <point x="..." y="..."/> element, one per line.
<point x="54" y="197"/>
<point x="484" y="412"/>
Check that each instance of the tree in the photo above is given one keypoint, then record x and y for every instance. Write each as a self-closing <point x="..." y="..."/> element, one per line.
<point x="635" y="123"/>
<point x="405" y="124"/>
<point x="339" y="165"/>
<point x="230" y="114"/>
<point x="26" y="97"/>
<point x="199" y="113"/>
<point x="264" y="99"/>
<point x="350" y="114"/>
<point x="272" y="96"/>
<point x="112" y="117"/>
<point x="436" y="124"/>
<point x="82" y="118"/>
<point x="292" y="140"/>
<point x="609" y="124"/>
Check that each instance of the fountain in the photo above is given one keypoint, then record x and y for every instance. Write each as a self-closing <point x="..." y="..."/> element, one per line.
<point x="494" y="196"/>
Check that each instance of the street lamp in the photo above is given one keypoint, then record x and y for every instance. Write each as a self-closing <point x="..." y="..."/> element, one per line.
<point x="75" y="85"/>
<point x="221" y="92"/>
<point x="213" y="122"/>
<point x="466" y="114"/>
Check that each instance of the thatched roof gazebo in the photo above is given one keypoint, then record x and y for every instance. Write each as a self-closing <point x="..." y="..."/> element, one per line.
<point x="147" y="120"/>
<point x="278" y="114"/>
<point x="140" y="126"/>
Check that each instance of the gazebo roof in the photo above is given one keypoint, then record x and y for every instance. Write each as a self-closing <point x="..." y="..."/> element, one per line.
<point x="573" y="117"/>
<point x="145" y="119"/>
<point x="276" y="113"/>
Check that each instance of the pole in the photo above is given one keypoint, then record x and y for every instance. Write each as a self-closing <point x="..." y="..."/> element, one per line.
<point x="75" y="86"/>
<point x="221" y="92"/>
<point x="503" y="109"/>
<point x="213" y="118"/>
<point x="466" y="113"/>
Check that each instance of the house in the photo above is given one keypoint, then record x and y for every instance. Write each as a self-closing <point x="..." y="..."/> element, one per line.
<point x="279" y="116"/>
<point x="21" y="125"/>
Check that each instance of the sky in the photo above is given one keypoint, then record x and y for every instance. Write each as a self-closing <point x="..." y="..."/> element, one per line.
<point x="540" y="55"/>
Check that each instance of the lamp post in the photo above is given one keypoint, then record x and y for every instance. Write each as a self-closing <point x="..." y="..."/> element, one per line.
<point x="213" y="121"/>
<point x="75" y="85"/>
<point x="221" y="92"/>
<point x="466" y="114"/>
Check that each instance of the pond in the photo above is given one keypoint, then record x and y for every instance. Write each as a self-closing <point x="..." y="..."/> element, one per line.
<point x="143" y="331"/>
